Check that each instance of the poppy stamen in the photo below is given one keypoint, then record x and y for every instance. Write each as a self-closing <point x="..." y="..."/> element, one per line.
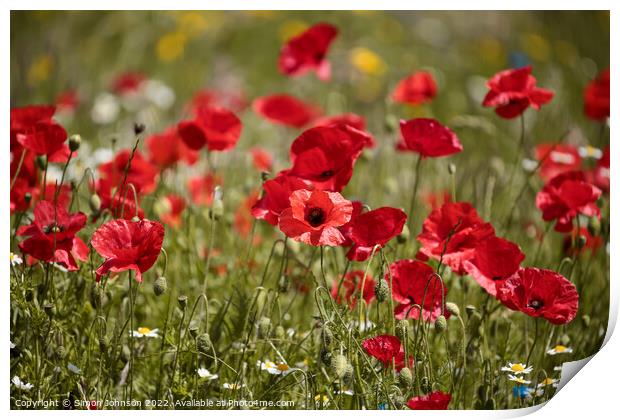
<point x="315" y="217"/>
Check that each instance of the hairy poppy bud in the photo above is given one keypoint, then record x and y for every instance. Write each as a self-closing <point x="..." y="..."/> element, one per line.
<point x="264" y="176"/>
<point x="326" y="356"/>
<point x="405" y="378"/>
<point x="264" y="327"/>
<point x="403" y="237"/>
<point x="390" y="123"/>
<point x="279" y="332"/>
<point x="441" y="324"/>
<point x="193" y="331"/>
<point x="327" y="336"/>
<point x="470" y="309"/>
<point x="585" y="321"/>
<point x="565" y="340"/>
<point x="217" y="209"/>
<point x="94" y="203"/>
<point x="451" y="168"/>
<point x="339" y="365"/>
<point x="203" y="343"/>
<point x="473" y="326"/>
<point x="125" y="354"/>
<point x="41" y="162"/>
<point x="103" y="344"/>
<point x="60" y="352"/>
<point x="160" y="286"/>
<point x="182" y="301"/>
<point x="96" y="296"/>
<point x="402" y="328"/>
<point x="138" y="128"/>
<point x="453" y="308"/>
<point x="382" y="291"/>
<point x="425" y="385"/>
<point x="283" y="284"/>
<point x="594" y="226"/>
<point x="74" y="142"/>
<point x="49" y="309"/>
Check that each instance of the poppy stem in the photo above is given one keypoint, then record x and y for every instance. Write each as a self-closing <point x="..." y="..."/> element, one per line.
<point x="413" y="195"/>
<point x="527" y="361"/>
<point x="130" y="335"/>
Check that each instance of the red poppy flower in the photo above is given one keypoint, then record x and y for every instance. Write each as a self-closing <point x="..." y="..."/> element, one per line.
<point x="345" y="229"/>
<point x="201" y="188"/>
<point x="141" y="173"/>
<point x="415" y="89"/>
<point x="314" y="217"/>
<point x="564" y="197"/>
<point x="33" y="128"/>
<point x="174" y="206"/>
<point x="599" y="176"/>
<point x="512" y="91"/>
<point x="540" y="293"/>
<point x="26" y="180"/>
<point x="428" y="138"/>
<point x="262" y="159"/>
<point x="451" y="233"/>
<point x="596" y="97"/>
<point x="49" y="194"/>
<point x="67" y="101"/>
<point x="324" y="156"/>
<point x="167" y="148"/>
<point x="556" y="159"/>
<point x="128" y="245"/>
<point x="352" y="120"/>
<point x="285" y="110"/>
<point x="352" y="284"/>
<point x="436" y="199"/>
<point x="276" y="196"/>
<point x="494" y="260"/>
<point x="374" y="228"/>
<point x="128" y="83"/>
<point x="122" y="206"/>
<point x="217" y="128"/>
<point x="307" y="51"/>
<point x="232" y="99"/>
<point x="410" y="280"/>
<point x="243" y="216"/>
<point x="436" y="400"/>
<point x="383" y="348"/>
<point x="51" y="236"/>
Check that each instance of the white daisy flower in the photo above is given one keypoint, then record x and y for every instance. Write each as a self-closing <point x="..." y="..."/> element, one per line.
<point x="274" y="368"/>
<point x="519" y="380"/>
<point x="590" y="152"/>
<point x="12" y="345"/>
<point x="237" y="345"/>
<point x="559" y="349"/>
<point x="105" y="109"/>
<point x="549" y="382"/>
<point x="205" y="374"/>
<point x="145" y="332"/>
<point x="304" y="364"/>
<point x="538" y="392"/>
<point x="365" y="326"/>
<point x="345" y="392"/>
<point x="226" y="385"/>
<point x="24" y="386"/>
<point x="561" y="157"/>
<point x="318" y="398"/>
<point x="517" y="368"/>
<point x="73" y="368"/>
<point x="529" y="164"/>
<point x="16" y="260"/>
<point x="557" y="368"/>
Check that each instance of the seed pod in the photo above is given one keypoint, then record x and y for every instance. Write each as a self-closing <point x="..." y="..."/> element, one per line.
<point x="138" y="128"/>
<point x="279" y="332"/>
<point x="160" y="286"/>
<point x="74" y="142"/>
<point x="453" y="308"/>
<point x="203" y="343"/>
<point x="441" y="324"/>
<point x="94" y="202"/>
<point x="403" y="237"/>
<point x="326" y="356"/>
<point x="405" y="378"/>
<point x="327" y="336"/>
<point x="470" y="309"/>
<point x="339" y="365"/>
<point x="402" y="328"/>
<point x="382" y="291"/>
<point x="182" y="301"/>
<point x="264" y="327"/>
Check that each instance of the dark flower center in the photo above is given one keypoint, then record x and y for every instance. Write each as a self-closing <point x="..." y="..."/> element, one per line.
<point x="327" y="174"/>
<point x="535" y="304"/>
<point x="315" y="216"/>
<point x="53" y="228"/>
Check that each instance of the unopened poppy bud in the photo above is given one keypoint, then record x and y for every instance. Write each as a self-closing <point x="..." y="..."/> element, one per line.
<point x="125" y="354"/>
<point x="382" y="290"/>
<point x="399" y="401"/>
<point x="193" y="331"/>
<point x="264" y="176"/>
<point x="453" y="308"/>
<point x="405" y="378"/>
<point x="279" y="332"/>
<point x="326" y="356"/>
<point x="441" y="324"/>
<point x="49" y="309"/>
<point x="182" y="301"/>
<point x="585" y="321"/>
<point x="425" y="385"/>
<point x="581" y="241"/>
<point x="60" y="352"/>
<point x="283" y="284"/>
<point x="160" y="286"/>
<point x="339" y="365"/>
<point x="391" y="123"/>
<point x="451" y="168"/>
<point x="470" y="309"/>
<point x="403" y="237"/>
<point x="74" y="142"/>
<point x="94" y="203"/>
<point x="135" y="219"/>
<point x="41" y="162"/>
<point x="264" y="327"/>
<point x="402" y="328"/>
<point x="29" y="295"/>
<point x="474" y="324"/>
<point x="327" y="336"/>
<point x="203" y="343"/>
<point x="565" y="340"/>
<point x="217" y="209"/>
<point x="594" y="226"/>
<point x="103" y="344"/>
<point x="138" y="128"/>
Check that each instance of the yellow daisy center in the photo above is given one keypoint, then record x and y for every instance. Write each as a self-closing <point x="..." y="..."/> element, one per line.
<point x="283" y="367"/>
<point x="547" y="381"/>
<point x="518" y="367"/>
<point x="144" y="330"/>
<point x="559" y="349"/>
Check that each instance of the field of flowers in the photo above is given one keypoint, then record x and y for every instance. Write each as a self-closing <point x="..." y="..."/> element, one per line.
<point x="306" y="210"/>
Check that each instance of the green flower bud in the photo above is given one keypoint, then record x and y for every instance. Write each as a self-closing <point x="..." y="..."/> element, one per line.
<point x="264" y="327"/>
<point x="103" y="344"/>
<point x="49" y="309"/>
<point x="405" y="378"/>
<point x="451" y="168"/>
<point x="441" y="324"/>
<point x="382" y="291"/>
<point x="60" y="352"/>
<point x="283" y="284"/>
<point x="203" y="343"/>
<point x="182" y="301"/>
<point x="402" y="328"/>
<point x="403" y="237"/>
<point x="41" y="161"/>
<point x="470" y="309"/>
<point x="339" y="365"/>
<point x="425" y="385"/>
<point x="160" y="286"/>
<point x="585" y="321"/>
<point x="326" y="356"/>
<point x="327" y="336"/>
<point x="453" y="308"/>
<point x="279" y="332"/>
<point x="390" y="123"/>
<point x="74" y="142"/>
<point x="565" y="340"/>
<point x="193" y="331"/>
<point x="94" y="203"/>
<point x="473" y="326"/>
